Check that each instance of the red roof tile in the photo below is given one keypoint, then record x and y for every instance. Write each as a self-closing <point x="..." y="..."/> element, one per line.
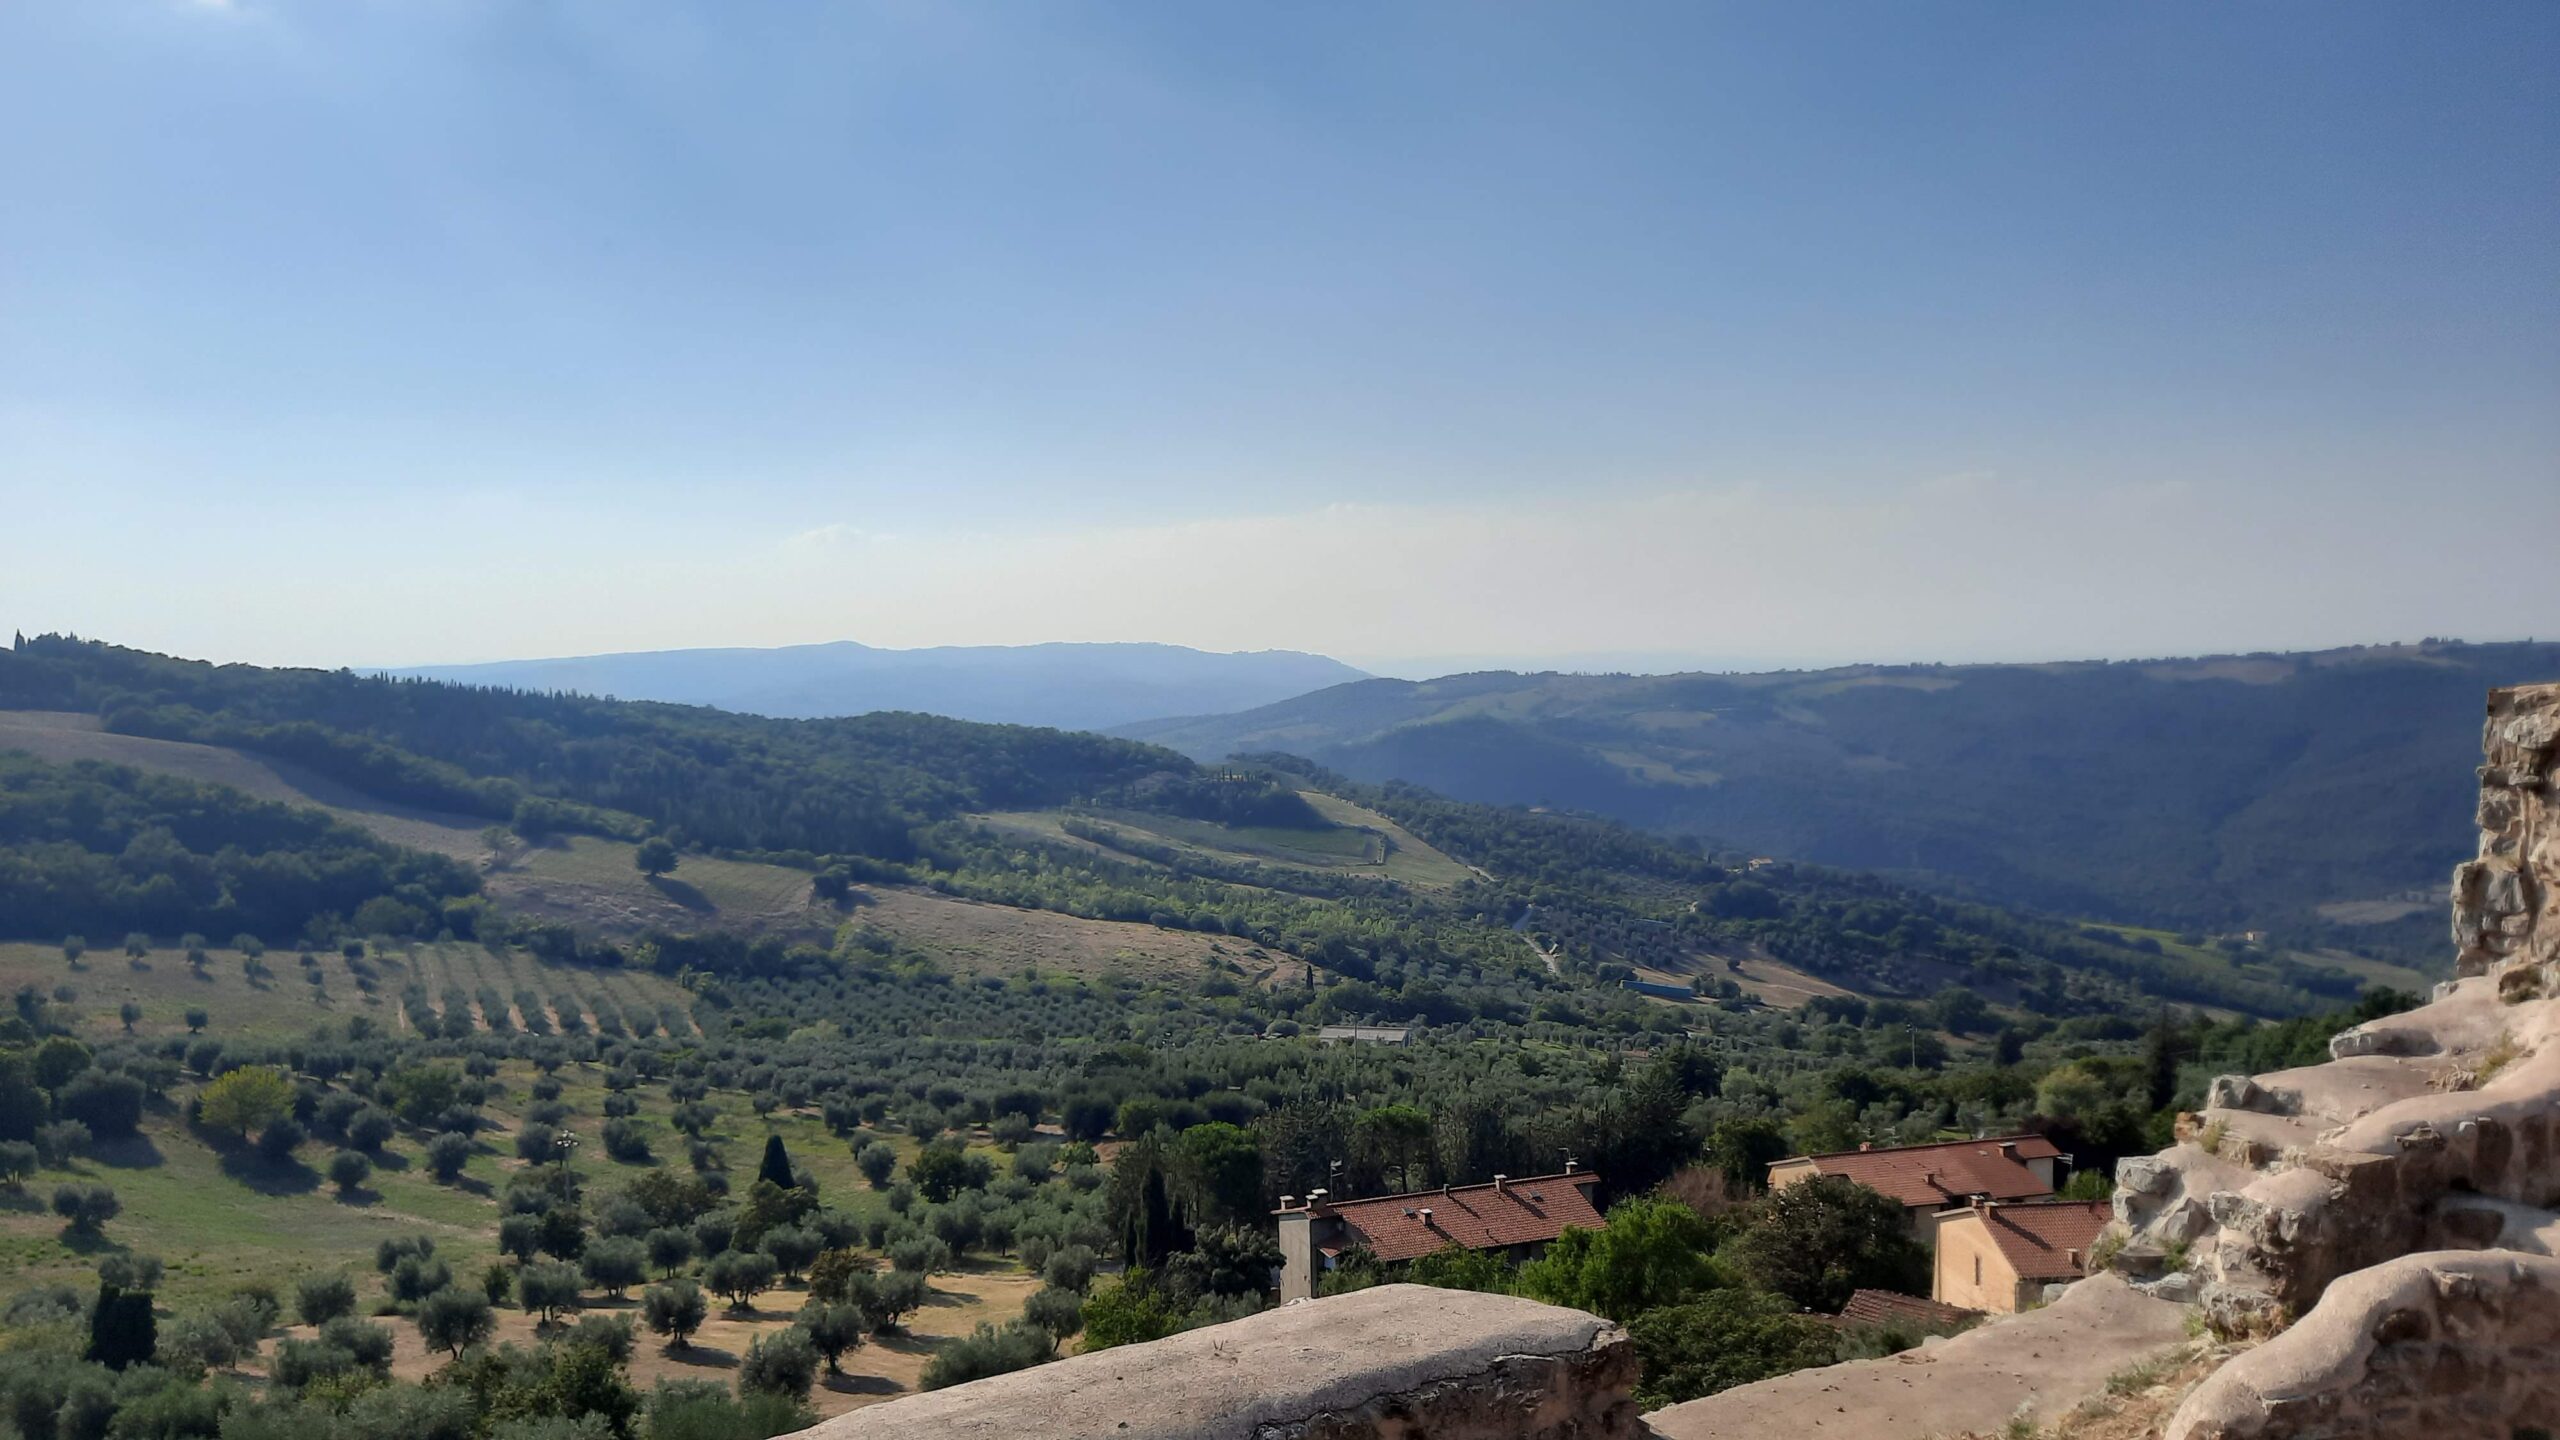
<point x="1944" y="1174"/>
<point x="1884" y="1307"/>
<point x="1480" y="1217"/>
<point x="2048" y="1240"/>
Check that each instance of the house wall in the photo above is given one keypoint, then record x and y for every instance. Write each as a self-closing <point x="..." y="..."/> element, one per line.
<point x="1786" y="1173"/>
<point x="1971" y="1271"/>
<point x="1297" y="1257"/>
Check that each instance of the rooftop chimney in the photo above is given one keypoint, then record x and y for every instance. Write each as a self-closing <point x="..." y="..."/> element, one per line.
<point x="1288" y="1202"/>
<point x="1426" y="1219"/>
<point x="2008" y="1149"/>
<point x="1569" y="1165"/>
<point x="1866" y="1145"/>
<point x="2071" y="1258"/>
<point x="1498" y="1182"/>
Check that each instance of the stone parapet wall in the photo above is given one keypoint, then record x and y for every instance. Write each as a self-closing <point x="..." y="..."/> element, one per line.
<point x="1398" y="1362"/>
<point x="2506" y="903"/>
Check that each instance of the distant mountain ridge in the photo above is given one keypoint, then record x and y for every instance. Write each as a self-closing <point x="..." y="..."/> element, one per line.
<point x="2301" y="790"/>
<point x="1066" y="685"/>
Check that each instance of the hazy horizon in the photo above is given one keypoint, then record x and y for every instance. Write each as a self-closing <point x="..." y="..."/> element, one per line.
<point x="1414" y="335"/>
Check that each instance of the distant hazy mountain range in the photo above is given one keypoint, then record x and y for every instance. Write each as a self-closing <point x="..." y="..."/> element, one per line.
<point x="2331" y="790"/>
<point x="1074" y="687"/>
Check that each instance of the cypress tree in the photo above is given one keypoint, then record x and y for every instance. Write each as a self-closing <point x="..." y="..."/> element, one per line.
<point x="122" y="1331"/>
<point x="777" y="1163"/>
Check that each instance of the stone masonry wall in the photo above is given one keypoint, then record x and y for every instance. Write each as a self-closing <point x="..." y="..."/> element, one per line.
<point x="2506" y="903"/>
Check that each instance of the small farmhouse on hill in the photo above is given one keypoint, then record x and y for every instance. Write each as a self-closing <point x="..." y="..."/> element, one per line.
<point x="1514" y="1217"/>
<point x="1999" y="1257"/>
<point x="1927" y="1179"/>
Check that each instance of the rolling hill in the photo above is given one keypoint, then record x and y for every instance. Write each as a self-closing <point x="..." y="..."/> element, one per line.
<point x="1073" y="687"/>
<point x="2303" y="791"/>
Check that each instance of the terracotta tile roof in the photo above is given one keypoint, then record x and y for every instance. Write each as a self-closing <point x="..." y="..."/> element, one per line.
<point x="1480" y="1217"/>
<point x="1944" y="1174"/>
<point x="1884" y="1307"/>
<point x="2048" y="1240"/>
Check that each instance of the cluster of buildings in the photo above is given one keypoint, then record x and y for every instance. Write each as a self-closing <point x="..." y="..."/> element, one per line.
<point x="1987" y="1209"/>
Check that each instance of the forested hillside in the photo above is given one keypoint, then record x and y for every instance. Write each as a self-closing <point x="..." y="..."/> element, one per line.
<point x="911" y="1134"/>
<point x="2307" y="793"/>
<point x="1071" y="686"/>
<point x="892" y="799"/>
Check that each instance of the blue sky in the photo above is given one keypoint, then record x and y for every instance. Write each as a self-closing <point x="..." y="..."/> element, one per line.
<point x="354" y="331"/>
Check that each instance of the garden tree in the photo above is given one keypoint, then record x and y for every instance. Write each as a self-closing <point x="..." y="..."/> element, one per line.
<point x="741" y="1275"/>
<point x="370" y="1346"/>
<point x="136" y="945"/>
<point x="107" y="1104"/>
<point x="989" y="1350"/>
<point x="615" y="1265"/>
<point x="73" y="947"/>
<point x="498" y="1282"/>
<point x="370" y="1129"/>
<point x="131" y="1271"/>
<point x="877" y="1162"/>
<point x="277" y="1142"/>
<point x="944" y="1168"/>
<point x="17" y="1162"/>
<point x="792" y="1249"/>
<point x="655" y="857"/>
<point x="563" y="1227"/>
<point x="446" y="1156"/>
<point x="348" y="1170"/>
<point x="1818" y="1240"/>
<point x="86" y="1204"/>
<point x="781" y="1362"/>
<point x="675" y="1310"/>
<point x="420" y="1094"/>
<point x="1396" y="1137"/>
<point x="1722" y="1339"/>
<point x="1652" y="1253"/>
<point x="1128" y="1311"/>
<point x="454" y="1319"/>
<point x="890" y="1298"/>
<point x="1060" y="1312"/>
<point x="670" y="1249"/>
<point x="833" y="1328"/>
<point x="1455" y="1267"/>
<point x="1742" y="1147"/>
<point x="197" y="1019"/>
<point x="769" y="1206"/>
<point x="122" y="1332"/>
<point x="58" y="1059"/>
<point x="549" y="1290"/>
<point x="131" y="1014"/>
<point x="832" y="1274"/>
<point x="319" y="1299"/>
<point x="245" y="1100"/>
<point x="415" y="1277"/>
<point x="1070" y="1268"/>
<point x="1218" y="1173"/>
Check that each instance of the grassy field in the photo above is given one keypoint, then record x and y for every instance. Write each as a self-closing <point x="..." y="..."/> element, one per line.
<point x="591" y="881"/>
<point x="218" y="1217"/>
<point x="973" y="938"/>
<point x="284" y="1002"/>
<point x="1359" y="841"/>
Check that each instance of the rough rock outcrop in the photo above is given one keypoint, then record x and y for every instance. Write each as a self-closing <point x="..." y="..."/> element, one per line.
<point x="2440" y="1344"/>
<point x="1398" y="1362"/>
<point x="2439" y="1128"/>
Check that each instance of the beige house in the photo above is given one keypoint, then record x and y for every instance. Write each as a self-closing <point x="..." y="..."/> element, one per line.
<point x="1999" y="1258"/>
